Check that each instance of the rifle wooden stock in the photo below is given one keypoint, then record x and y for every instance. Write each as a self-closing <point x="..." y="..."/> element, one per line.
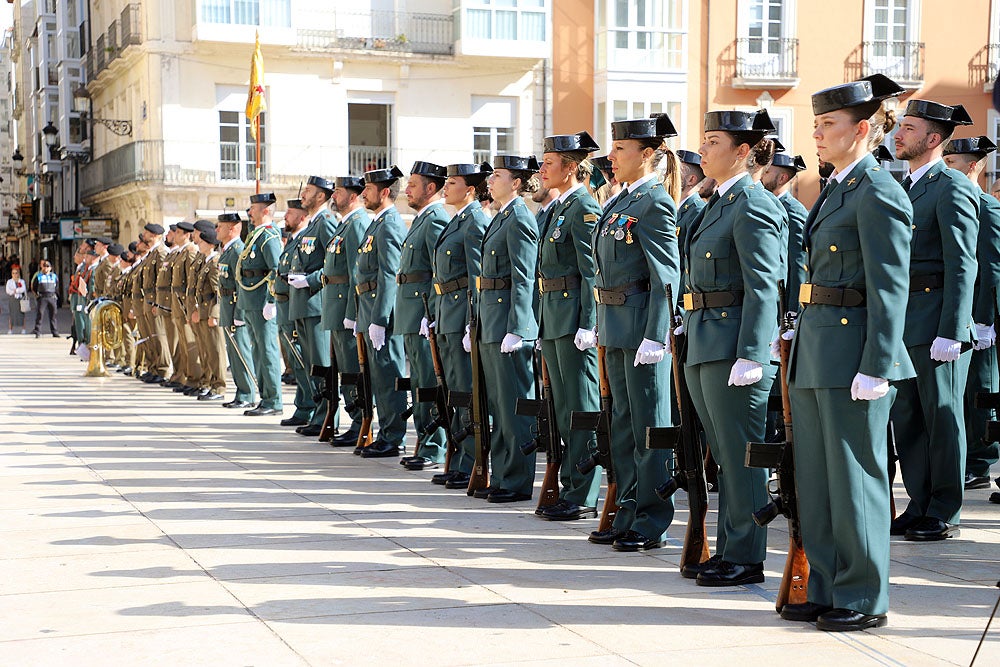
<point x="364" y="393"/>
<point x="600" y="423"/>
<point x="333" y="396"/>
<point x="480" y="412"/>
<point x="445" y="413"/>
<point x="546" y="433"/>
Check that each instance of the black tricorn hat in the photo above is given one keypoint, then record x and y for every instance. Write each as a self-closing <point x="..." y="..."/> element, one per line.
<point x="474" y="174"/>
<point x="351" y="183"/>
<point x="230" y="217"/>
<point x="739" y="121"/>
<point x="564" y="143"/>
<point x="883" y="154"/>
<point x="296" y="203"/>
<point x="939" y="113"/>
<point x="778" y="146"/>
<point x="604" y="164"/>
<point x="380" y="176"/>
<point x="429" y="169"/>
<point x="324" y="184"/>
<point x="516" y="162"/>
<point x="873" y="88"/>
<point x="689" y="157"/>
<point x="154" y="228"/>
<point x="185" y="226"/>
<point x="263" y="198"/>
<point x="657" y="126"/>
<point x="795" y="163"/>
<point x="980" y="146"/>
<point x="204" y="226"/>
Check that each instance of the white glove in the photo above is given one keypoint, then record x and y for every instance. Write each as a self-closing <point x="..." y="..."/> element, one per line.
<point x="679" y="330"/>
<point x="350" y="325"/>
<point x="466" y="340"/>
<point x="297" y="280"/>
<point x="775" y="348"/>
<point x="270" y="311"/>
<point x="510" y="343"/>
<point x="745" y="373"/>
<point x="238" y="323"/>
<point x="377" y="334"/>
<point x="867" y="388"/>
<point x="986" y="336"/>
<point x="585" y="339"/>
<point x="945" y="349"/>
<point x="425" y="327"/>
<point x="649" y="352"/>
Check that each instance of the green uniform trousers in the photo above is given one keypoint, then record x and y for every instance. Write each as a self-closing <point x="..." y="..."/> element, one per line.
<point x="843" y="490"/>
<point x="509" y="377"/>
<point x="983" y="377"/>
<point x="304" y="404"/>
<point x="929" y="423"/>
<point x="266" y="359"/>
<point x="241" y="363"/>
<point x="573" y="375"/>
<point x="458" y="374"/>
<point x="345" y="349"/>
<point x="639" y="396"/>
<point x="385" y="366"/>
<point x="418" y="353"/>
<point x="314" y="344"/>
<point x="732" y="417"/>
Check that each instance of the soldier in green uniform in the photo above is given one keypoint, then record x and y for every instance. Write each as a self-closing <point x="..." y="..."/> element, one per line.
<point x="288" y="337"/>
<point x="305" y="303"/>
<point x="927" y="414"/>
<point x="255" y="268"/>
<point x="847" y="351"/>
<point x="423" y="194"/>
<point x="507" y="325"/>
<point x="969" y="157"/>
<point x="456" y="263"/>
<point x="778" y="180"/>
<point x="375" y="285"/>
<point x="568" y="314"/>
<point x="234" y="328"/>
<point x="340" y="307"/>
<point x="691" y="203"/>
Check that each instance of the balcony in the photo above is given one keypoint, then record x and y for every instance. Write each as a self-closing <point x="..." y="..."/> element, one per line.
<point x="992" y="67"/>
<point x="366" y="158"/>
<point x="903" y="62"/>
<point x="123" y="32"/>
<point x="771" y="63"/>
<point x="379" y="31"/>
<point x="130" y="31"/>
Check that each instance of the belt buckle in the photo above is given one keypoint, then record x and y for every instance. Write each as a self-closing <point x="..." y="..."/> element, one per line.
<point x="479" y="282"/>
<point x="357" y="288"/>
<point x="805" y="293"/>
<point x="437" y="289"/>
<point x="688" y="301"/>
<point x="541" y="290"/>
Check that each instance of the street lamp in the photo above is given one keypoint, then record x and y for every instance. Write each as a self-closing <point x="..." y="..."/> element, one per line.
<point x="81" y="104"/>
<point x="50" y="134"/>
<point x="17" y="160"/>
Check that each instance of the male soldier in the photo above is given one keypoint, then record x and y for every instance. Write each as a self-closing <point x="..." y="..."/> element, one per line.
<point x="136" y="308"/>
<point x="305" y="303"/>
<point x="103" y="267"/>
<point x="288" y="338"/>
<point x="375" y="278"/>
<point x="423" y="194"/>
<point x="340" y="308"/>
<point x="969" y="157"/>
<point x="201" y="377"/>
<point x="183" y="267"/>
<point x="167" y="309"/>
<point x="544" y="197"/>
<point x="231" y="321"/>
<point x="255" y="268"/>
<point x="122" y="292"/>
<point x="691" y="203"/>
<point x="778" y="179"/>
<point x="205" y="314"/>
<point x="158" y="348"/>
<point x="927" y="413"/>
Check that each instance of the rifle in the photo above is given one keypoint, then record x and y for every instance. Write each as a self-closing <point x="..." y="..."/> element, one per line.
<point x="985" y="400"/>
<point x="478" y="408"/>
<point x="331" y="392"/>
<point x="784" y="500"/>
<point x="684" y="440"/>
<point x="600" y="423"/>
<point x="292" y="351"/>
<point x="546" y="432"/>
<point x="437" y="394"/>
<point x="362" y="381"/>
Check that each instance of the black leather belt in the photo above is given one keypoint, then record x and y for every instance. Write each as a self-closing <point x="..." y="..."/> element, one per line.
<point x="615" y="296"/>
<point x="450" y="286"/>
<point x="334" y="280"/>
<point x="701" y="300"/>
<point x="281" y="298"/>
<point x="926" y="283"/>
<point x="369" y="286"/>
<point x="558" y="284"/>
<point x="225" y="291"/>
<point x="254" y="273"/>
<point x="416" y="277"/>
<point x="830" y="296"/>
<point x="492" y="283"/>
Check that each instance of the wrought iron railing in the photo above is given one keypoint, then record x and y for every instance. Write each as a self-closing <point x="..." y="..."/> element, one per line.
<point x="767" y="59"/>
<point x="900" y="61"/>
<point x="380" y="31"/>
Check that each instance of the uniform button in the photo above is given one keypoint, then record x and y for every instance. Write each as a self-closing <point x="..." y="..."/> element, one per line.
<point x="843" y="320"/>
<point x="565" y="293"/>
<point x="913" y="226"/>
<point x="707" y="255"/>
<point x="447" y="252"/>
<point x="493" y="252"/>
<point x="896" y="364"/>
<point x="411" y="245"/>
<point x="416" y="294"/>
<point x="725" y="314"/>
<point x="833" y="248"/>
<point x="927" y="289"/>
<point x="499" y="300"/>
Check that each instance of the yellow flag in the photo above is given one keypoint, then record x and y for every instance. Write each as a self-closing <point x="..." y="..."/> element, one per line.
<point x="255" y="98"/>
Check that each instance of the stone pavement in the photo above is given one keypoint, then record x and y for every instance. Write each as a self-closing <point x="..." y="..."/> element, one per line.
<point x="140" y="527"/>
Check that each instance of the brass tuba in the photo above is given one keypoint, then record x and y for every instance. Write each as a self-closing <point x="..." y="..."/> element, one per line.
<point x="106" y="335"/>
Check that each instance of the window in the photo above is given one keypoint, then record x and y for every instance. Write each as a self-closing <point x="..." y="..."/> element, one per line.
<point x="892" y="33"/>
<point x="273" y="13"/>
<point x="238" y="149"/>
<point x="642" y="35"/>
<point x="993" y="161"/>
<point x="767" y="50"/>
<point x="765" y="26"/>
<point x="522" y="20"/>
<point x="493" y="125"/>
<point x="625" y="110"/>
<point x="490" y="141"/>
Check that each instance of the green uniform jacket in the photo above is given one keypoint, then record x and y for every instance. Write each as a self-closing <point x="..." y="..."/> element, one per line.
<point x="565" y="251"/>
<point x="988" y="252"/>
<point x="834" y="343"/>
<point x="796" y="258"/>
<point x="649" y="215"/>
<point x="227" y="284"/>
<point x="280" y="289"/>
<point x="307" y="257"/>
<point x="260" y="256"/>
<point x="378" y="261"/>
<point x="417" y="251"/>
<point x="945" y="229"/>
<point x="457" y="255"/>
<point x="687" y="213"/>
<point x="510" y="251"/>
<point x="340" y="259"/>
<point x="733" y="247"/>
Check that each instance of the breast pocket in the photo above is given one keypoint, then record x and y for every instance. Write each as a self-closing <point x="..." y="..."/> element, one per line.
<point x="711" y="263"/>
<point x="843" y="249"/>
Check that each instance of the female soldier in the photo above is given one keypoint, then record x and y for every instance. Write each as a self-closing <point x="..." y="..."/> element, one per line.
<point x="848" y="348"/>
<point x="456" y="264"/>
<point x="507" y="326"/>
<point x="567" y="314"/>
<point x="734" y="255"/>
<point x="635" y="252"/>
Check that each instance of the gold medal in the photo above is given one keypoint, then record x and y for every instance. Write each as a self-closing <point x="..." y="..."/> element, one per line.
<point x="628" y="237"/>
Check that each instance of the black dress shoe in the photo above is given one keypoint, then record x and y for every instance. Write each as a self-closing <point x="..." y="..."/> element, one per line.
<point x="732" y="574"/>
<point x="561" y="502"/>
<point x="158" y="379"/>
<point x="976" y="481"/>
<point x="201" y="392"/>
<point x="567" y="511"/>
<point x="125" y="370"/>
<point x="237" y="404"/>
<point x="211" y="396"/>
<point x="381" y="450"/>
<point x="459" y="480"/>
<point x="293" y="421"/>
<point x="902" y="523"/>
<point x="692" y="571"/>
<point x="442" y="478"/>
<point x="635" y="541"/>
<point x="261" y="411"/>
<point x="406" y="459"/>
<point x="482" y="493"/>
<point x="421" y="463"/>
<point x="807" y="611"/>
<point x="506" y="496"/>
<point x="846" y="620"/>
<point x="194" y="391"/>
<point x="172" y="385"/>
<point x="348" y="439"/>
<point x="309" y="430"/>
<point x="604" y="537"/>
<point x="931" y="529"/>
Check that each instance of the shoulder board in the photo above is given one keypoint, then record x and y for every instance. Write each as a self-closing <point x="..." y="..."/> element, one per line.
<point x="590" y="217"/>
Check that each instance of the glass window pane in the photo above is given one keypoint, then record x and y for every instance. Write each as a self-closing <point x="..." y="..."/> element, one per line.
<point x="533" y="26"/>
<point x="642" y="40"/>
<point x="621" y="39"/>
<point x="479" y="23"/>
<point x="638" y="110"/>
<point x="621" y="13"/>
<point x="506" y="25"/>
<point x="621" y="110"/>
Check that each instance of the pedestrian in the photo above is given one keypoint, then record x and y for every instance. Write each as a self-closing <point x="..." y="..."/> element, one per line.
<point x="45" y="287"/>
<point x="17" y="294"/>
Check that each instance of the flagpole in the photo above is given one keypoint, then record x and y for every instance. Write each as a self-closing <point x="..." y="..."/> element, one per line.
<point x="257" y="121"/>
